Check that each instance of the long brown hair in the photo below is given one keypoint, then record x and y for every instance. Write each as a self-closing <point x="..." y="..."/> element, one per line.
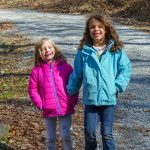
<point x="38" y="49"/>
<point x="109" y="29"/>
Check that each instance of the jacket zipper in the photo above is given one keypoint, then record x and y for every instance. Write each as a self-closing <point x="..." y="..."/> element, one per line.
<point x="100" y="71"/>
<point x="54" y="89"/>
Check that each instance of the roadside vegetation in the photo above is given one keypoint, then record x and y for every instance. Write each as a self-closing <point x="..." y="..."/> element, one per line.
<point x="13" y="71"/>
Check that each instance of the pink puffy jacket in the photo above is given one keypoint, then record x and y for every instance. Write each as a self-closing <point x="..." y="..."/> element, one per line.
<point x="47" y="89"/>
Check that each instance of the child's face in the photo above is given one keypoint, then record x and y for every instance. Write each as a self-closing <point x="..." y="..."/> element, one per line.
<point x="97" y="31"/>
<point x="48" y="51"/>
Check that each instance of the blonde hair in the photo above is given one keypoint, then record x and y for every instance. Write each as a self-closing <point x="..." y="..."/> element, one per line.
<point x="38" y="51"/>
<point x="109" y="29"/>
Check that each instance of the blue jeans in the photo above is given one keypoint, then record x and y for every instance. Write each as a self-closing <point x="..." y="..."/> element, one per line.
<point x="106" y="116"/>
<point x="65" y="125"/>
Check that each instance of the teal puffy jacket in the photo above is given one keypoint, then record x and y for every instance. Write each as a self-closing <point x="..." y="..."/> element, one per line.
<point x="101" y="78"/>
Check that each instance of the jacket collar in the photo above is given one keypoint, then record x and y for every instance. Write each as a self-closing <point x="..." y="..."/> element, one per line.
<point x="88" y="47"/>
<point x="89" y="50"/>
<point x="55" y="63"/>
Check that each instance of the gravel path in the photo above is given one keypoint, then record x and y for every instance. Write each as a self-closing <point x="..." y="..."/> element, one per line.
<point x="132" y="126"/>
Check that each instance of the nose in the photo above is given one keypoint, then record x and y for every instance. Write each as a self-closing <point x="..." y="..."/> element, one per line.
<point x="46" y="50"/>
<point x="96" y="28"/>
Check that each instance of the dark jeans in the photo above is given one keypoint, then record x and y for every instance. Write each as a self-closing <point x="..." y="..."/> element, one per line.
<point x="106" y="116"/>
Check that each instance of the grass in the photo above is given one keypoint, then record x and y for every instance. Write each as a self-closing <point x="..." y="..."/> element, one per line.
<point x="14" y="72"/>
<point x="13" y="88"/>
<point x="4" y="130"/>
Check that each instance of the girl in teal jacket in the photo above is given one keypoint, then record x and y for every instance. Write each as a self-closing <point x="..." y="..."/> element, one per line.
<point x="104" y="68"/>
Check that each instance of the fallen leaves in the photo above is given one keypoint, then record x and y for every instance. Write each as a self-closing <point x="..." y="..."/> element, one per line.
<point x="6" y="25"/>
<point x="15" y="67"/>
<point x="27" y="129"/>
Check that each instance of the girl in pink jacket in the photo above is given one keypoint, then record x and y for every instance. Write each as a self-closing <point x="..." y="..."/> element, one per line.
<point x="47" y="89"/>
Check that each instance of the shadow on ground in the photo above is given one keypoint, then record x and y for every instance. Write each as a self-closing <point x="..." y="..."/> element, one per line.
<point x="5" y="147"/>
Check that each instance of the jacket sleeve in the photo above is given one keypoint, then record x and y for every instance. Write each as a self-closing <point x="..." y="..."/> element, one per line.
<point x="33" y="89"/>
<point x="74" y="98"/>
<point x="123" y="73"/>
<point x="75" y="79"/>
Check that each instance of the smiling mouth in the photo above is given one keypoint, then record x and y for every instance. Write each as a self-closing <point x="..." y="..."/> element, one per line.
<point x="48" y="54"/>
<point x="96" y="34"/>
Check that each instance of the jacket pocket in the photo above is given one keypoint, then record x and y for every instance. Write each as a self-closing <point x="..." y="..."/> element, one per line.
<point x="112" y="91"/>
<point x="91" y="95"/>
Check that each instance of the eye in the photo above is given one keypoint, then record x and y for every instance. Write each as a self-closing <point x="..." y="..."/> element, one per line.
<point x="42" y="50"/>
<point x="92" y="27"/>
<point x="100" y="26"/>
